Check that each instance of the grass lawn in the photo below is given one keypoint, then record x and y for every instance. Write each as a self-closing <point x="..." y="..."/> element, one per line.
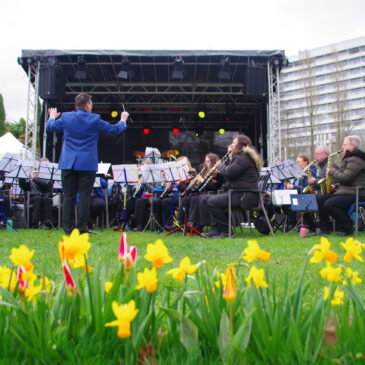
<point x="288" y="253"/>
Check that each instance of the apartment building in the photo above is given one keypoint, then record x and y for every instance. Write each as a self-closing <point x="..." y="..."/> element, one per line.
<point x="322" y="93"/>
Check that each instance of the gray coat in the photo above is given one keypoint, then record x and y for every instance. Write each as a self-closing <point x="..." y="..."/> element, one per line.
<point x="350" y="173"/>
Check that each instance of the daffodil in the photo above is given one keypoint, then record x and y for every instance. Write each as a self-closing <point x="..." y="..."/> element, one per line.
<point x="222" y="280"/>
<point x="331" y="273"/>
<point x="75" y="247"/>
<point x="323" y="252"/>
<point x="253" y="252"/>
<point x="127" y="255"/>
<point x="353" y="276"/>
<point x="158" y="254"/>
<point x="229" y="293"/>
<point x="147" y="279"/>
<point x="31" y="292"/>
<point x="125" y="314"/>
<point x="7" y="278"/>
<point x="108" y="286"/>
<point x="185" y="267"/>
<point x="21" y="256"/>
<point x="353" y="250"/>
<point x="337" y="296"/>
<point x="257" y="276"/>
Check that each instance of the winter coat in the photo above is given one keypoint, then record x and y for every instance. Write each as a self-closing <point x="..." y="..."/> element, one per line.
<point x="350" y="173"/>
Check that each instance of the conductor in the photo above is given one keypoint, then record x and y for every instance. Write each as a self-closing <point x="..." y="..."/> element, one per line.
<point x="79" y="157"/>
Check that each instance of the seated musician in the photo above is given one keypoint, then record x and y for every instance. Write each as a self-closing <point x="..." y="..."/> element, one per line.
<point x="41" y="199"/>
<point x="97" y="203"/>
<point x="196" y="205"/>
<point x="301" y="183"/>
<point x="242" y="172"/>
<point x="350" y="173"/>
<point x="4" y="196"/>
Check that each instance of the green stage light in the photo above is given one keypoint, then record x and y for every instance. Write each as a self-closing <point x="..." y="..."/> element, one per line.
<point x="201" y="114"/>
<point x="222" y="131"/>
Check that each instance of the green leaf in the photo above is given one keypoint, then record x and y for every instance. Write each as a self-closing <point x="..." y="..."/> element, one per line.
<point x="224" y="338"/>
<point x="173" y="314"/>
<point x="242" y="338"/>
<point x="189" y="335"/>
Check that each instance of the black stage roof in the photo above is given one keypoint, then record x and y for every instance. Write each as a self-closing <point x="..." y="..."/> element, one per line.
<point x="229" y="86"/>
<point x="151" y="93"/>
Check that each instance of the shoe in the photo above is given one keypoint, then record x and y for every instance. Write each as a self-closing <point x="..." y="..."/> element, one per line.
<point x="344" y="234"/>
<point x="138" y="228"/>
<point x="213" y="232"/>
<point x="225" y="235"/>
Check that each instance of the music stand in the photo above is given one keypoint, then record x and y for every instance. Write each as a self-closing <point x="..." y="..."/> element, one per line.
<point x="8" y="162"/>
<point x="303" y="203"/>
<point x="151" y="174"/>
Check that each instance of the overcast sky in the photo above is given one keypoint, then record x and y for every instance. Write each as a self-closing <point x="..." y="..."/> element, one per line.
<point x="291" y="25"/>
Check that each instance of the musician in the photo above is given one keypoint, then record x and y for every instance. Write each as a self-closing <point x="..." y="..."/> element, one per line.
<point x="301" y="183"/>
<point x="321" y="156"/>
<point x="196" y="205"/>
<point x="40" y="198"/>
<point x="350" y="173"/>
<point x="242" y="172"/>
<point x="98" y="204"/>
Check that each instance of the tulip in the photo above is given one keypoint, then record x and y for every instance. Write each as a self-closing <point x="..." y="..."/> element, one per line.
<point x="158" y="254"/>
<point x="125" y="314"/>
<point x="229" y="293"/>
<point x="127" y="255"/>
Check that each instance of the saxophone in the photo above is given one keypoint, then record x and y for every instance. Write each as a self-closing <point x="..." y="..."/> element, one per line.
<point x="326" y="182"/>
<point x="310" y="188"/>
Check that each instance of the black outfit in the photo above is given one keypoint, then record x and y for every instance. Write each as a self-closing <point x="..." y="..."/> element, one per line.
<point x="241" y="173"/>
<point x="41" y="199"/>
<point x="350" y="173"/>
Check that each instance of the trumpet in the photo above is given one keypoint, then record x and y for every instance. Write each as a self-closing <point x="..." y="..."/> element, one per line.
<point x="194" y="181"/>
<point x="209" y="175"/>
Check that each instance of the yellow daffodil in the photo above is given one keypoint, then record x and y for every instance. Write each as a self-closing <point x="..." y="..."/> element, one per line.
<point x="337" y="296"/>
<point x="353" y="276"/>
<point x="353" y="250"/>
<point x="229" y="293"/>
<point x="31" y="292"/>
<point x="75" y="246"/>
<point x="147" y="279"/>
<point x="125" y="314"/>
<point x="331" y="273"/>
<point x="7" y="278"/>
<point x="185" y="267"/>
<point x="323" y="252"/>
<point x="158" y="254"/>
<point x="222" y="280"/>
<point x="257" y="276"/>
<point x="253" y="252"/>
<point x="21" y="256"/>
<point x="108" y="286"/>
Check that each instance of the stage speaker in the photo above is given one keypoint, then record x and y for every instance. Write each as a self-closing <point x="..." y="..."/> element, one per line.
<point x="51" y="82"/>
<point x="255" y="81"/>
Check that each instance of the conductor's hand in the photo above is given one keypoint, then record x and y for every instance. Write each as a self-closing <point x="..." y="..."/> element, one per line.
<point x="124" y="116"/>
<point x="53" y="113"/>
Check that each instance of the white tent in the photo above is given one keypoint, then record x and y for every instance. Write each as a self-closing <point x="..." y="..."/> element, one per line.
<point x="8" y="143"/>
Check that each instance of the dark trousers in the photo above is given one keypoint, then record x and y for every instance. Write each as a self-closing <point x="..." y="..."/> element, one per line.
<point x="141" y="210"/>
<point x="74" y="182"/>
<point x="97" y="206"/>
<point x="42" y="208"/>
<point x="335" y="206"/>
<point x="217" y="207"/>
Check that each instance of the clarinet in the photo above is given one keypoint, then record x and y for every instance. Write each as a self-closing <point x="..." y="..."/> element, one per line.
<point x="167" y="187"/>
<point x="209" y="175"/>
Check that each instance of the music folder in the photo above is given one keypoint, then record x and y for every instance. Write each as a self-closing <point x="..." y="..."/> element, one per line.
<point x="304" y="202"/>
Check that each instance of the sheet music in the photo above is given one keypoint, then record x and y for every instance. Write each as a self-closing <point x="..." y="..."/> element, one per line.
<point x="103" y="168"/>
<point x="171" y="171"/>
<point x="131" y="173"/>
<point x="49" y="171"/>
<point x="8" y="161"/>
<point x="22" y="169"/>
<point x="183" y="168"/>
<point x="151" y="173"/>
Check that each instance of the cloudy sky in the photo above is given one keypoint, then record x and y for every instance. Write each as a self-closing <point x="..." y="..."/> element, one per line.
<point x="291" y="25"/>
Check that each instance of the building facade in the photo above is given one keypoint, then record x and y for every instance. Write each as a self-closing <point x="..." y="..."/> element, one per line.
<point x="322" y="93"/>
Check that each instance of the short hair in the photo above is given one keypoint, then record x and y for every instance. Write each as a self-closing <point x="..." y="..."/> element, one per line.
<point x="81" y="100"/>
<point x="324" y="148"/>
<point x="304" y="158"/>
<point x="354" y="139"/>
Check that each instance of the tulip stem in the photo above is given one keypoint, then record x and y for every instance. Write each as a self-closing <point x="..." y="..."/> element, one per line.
<point x="231" y="319"/>
<point x="90" y="292"/>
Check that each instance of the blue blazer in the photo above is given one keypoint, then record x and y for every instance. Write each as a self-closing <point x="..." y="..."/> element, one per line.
<point x="81" y="134"/>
